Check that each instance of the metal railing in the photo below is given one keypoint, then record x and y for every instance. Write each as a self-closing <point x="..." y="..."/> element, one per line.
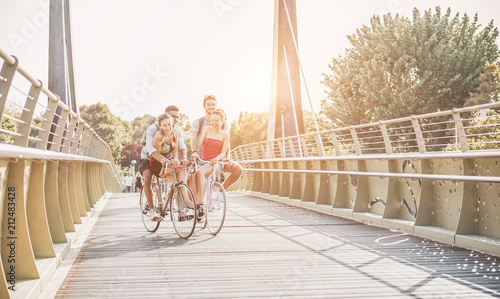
<point x="436" y="175"/>
<point x="54" y="169"/>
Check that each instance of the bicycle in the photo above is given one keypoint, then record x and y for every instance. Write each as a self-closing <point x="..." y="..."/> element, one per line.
<point x="215" y="201"/>
<point x="170" y="198"/>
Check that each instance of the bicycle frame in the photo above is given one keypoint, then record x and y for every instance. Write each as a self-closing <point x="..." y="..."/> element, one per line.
<point x="175" y="197"/>
<point x="215" y="207"/>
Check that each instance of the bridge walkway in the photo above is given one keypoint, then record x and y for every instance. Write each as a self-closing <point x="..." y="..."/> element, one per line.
<point x="268" y="250"/>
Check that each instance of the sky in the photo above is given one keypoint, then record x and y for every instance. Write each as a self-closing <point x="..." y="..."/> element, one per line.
<point x="139" y="56"/>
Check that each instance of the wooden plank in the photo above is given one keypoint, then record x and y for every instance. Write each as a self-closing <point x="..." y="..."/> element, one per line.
<point x="269" y="250"/>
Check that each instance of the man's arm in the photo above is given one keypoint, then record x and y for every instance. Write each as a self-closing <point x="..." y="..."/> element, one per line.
<point x="195" y="130"/>
<point x="150" y="136"/>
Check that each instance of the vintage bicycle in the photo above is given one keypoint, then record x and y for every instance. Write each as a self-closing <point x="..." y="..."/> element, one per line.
<point x="174" y="198"/>
<point x="214" y="200"/>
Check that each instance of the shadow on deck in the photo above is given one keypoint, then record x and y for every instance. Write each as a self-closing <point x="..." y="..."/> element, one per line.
<point x="269" y="250"/>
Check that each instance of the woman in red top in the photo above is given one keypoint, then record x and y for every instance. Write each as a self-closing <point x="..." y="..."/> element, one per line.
<point x="215" y="144"/>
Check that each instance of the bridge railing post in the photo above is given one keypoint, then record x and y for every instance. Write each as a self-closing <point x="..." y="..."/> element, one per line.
<point x="386" y="138"/>
<point x="60" y="125"/>
<point x="77" y="137"/>
<point x="319" y="144"/>
<point x="66" y="145"/>
<point x="7" y="73"/>
<point x="460" y="131"/>
<point x="355" y="140"/>
<point x="46" y="124"/>
<point x="418" y="133"/>
<point x="27" y="115"/>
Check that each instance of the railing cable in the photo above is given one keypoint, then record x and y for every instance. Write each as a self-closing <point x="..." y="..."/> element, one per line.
<point x="300" y="64"/>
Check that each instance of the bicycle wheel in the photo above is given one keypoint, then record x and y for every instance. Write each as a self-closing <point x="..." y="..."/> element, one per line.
<point x="182" y="210"/>
<point x="149" y="224"/>
<point x="203" y="219"/>
<point x="216" y="209"/>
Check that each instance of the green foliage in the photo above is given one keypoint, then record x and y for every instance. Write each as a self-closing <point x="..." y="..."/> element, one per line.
<point x="138" y="125"/>
<point x="484" y="131"/>
<point x="324" y="123"/>
<point x="489" y="87"/>
<point x="112" y="129"/>
<point x="9" y="124"/>
<point x="185" y="125"/>
<point x="250" y="128"/>
<point x="397" y="67"/>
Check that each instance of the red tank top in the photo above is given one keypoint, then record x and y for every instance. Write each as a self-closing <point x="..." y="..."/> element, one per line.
<point x="211" y="148"/>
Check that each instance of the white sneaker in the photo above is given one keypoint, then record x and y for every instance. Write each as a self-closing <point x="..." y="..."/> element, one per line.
<point x="153" y="215"/>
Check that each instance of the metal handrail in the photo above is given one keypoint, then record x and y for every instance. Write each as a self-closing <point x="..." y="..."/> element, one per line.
<point x="438" y="135"/>
<point x="21" y="133"/>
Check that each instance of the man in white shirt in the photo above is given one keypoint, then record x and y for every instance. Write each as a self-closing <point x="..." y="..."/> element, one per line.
<point x="129" y="182"/>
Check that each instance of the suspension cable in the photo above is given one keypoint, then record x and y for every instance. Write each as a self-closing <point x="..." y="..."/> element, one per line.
<point x="300" y="64"/>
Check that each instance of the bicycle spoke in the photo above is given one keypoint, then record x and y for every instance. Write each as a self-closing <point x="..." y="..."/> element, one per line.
<point x="183" y="213"/>
<point x="149" y="224"/>
<point x="216" y="208"/>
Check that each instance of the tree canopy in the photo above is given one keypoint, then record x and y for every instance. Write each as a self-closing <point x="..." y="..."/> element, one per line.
<point x="397" y="67"/>
<point x="489" y="88"/>
<point x="112" y="129"/>
<point x="250" y="127"/>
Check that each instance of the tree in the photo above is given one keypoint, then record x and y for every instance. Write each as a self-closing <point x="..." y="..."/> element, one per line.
<point x="138" y="126"/>
<point x="324" y="123"/>
<point x="9" y="124"/>
<point x="110" y="128"/>
<point x="489" y="87"/>
<point x="397" y="67"/>
<point x="250" y="127"/>
<point x="185" y="125"/>
<point x="131" y="151"/>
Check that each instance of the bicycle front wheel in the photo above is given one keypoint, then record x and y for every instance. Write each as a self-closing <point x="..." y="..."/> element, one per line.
<point x="149" y="224"/>
<point x="216" y="209"/>
<point x="182" y="210"/>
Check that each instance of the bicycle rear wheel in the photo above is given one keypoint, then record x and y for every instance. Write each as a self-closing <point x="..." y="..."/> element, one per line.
<point x="216" y="209"/>
<point x="149" y="224"/>
<point x="182" y="210"/>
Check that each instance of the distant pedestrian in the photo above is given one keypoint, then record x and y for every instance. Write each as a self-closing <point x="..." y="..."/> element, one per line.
<point x="129" y="183"/>
<point x="138" y="182"/>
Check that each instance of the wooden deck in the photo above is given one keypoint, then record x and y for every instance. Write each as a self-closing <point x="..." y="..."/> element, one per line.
<point x="270" y="250"/>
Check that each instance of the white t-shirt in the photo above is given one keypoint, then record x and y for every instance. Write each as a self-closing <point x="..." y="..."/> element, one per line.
<point x="129" y="181"/>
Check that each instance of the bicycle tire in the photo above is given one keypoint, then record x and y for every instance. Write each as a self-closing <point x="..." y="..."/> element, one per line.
<point x="182" y="210"/>
<point x="150" y="225"/>
<point x="216" y="209"/>
<point x="203" y="219"/>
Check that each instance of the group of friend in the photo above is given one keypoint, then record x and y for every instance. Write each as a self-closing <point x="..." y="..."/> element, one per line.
<point x="165" y="147"/>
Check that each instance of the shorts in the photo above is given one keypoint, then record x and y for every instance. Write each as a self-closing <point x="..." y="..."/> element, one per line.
<point x="155" y="166"/>
<point x="143" y="165"/>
